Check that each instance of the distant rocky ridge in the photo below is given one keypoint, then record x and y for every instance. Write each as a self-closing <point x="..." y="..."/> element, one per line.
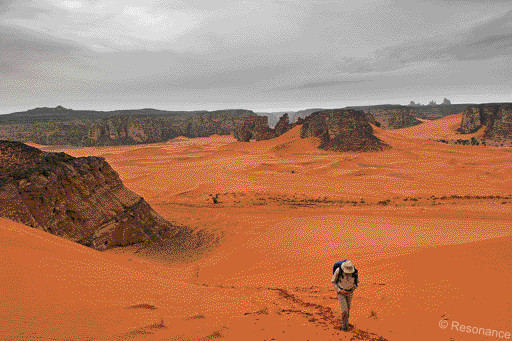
<point x="387" y="116"/>
<point x="496" y="117"/>
<point x="403" y="116"/>
<point x="343" y="130"/>
<point x="61" y="126"/>
<point x="81" y="199"/>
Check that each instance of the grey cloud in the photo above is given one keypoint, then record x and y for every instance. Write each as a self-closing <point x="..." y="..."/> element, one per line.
<point x="488" y="40"/>
<point x="6" y="5"/>
<point x="21" y="48"/>
<point x="324" y="84"/>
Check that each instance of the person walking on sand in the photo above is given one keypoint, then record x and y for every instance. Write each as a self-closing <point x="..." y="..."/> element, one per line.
<point x="345" y="280"/>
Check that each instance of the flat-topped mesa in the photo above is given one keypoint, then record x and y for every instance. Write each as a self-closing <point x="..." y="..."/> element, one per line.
<point x="497" y="118"/>
<point x="343" y="130"/>
<point x="81" y="199"/>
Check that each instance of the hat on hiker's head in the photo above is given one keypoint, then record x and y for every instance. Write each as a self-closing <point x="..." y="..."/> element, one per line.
<point x="347" y="267"/>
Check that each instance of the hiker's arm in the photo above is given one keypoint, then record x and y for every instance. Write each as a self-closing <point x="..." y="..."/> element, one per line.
<point x="334" y="280"/>
<point x="356" y="282"/>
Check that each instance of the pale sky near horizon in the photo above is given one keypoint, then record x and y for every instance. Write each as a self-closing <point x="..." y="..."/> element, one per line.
<point x="261" y="55"/>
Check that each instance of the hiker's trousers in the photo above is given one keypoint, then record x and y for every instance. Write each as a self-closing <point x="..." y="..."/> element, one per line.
<point x="345" y="302"/>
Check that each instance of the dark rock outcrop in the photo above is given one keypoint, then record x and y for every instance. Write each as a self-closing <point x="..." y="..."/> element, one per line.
<point x="283" y="125"/>
<point x="81" y="199"/>
<point x="446" y="101"/>
<point x="497" y="118"/>
<point x="394" y="117"/>
<point x="254" y="128"/>
<point x="471" y="120"/>
<point x="60" y="126"/>
<point x="258" y="129"/>
<point x="343" y="131"/>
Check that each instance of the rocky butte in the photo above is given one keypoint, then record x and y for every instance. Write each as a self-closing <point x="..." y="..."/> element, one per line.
<point x="81" y="199"/>
<point x="343" y="130"/>
<point x="496" y="118"/>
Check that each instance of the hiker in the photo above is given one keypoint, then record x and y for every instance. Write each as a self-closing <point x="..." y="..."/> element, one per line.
<point x="345" y="280"/>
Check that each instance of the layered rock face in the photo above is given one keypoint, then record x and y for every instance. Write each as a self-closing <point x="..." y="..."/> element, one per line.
<point x="258" y="129"/>
<point x="342" y="131"/>
<point x="60" y="126"/>
<point x="136" y="129"/>
<point x="81" y="199"/>
<point x="283" y="125"/>
<point x="394" y="117"/>
<point x="254" y="128"/>
<point x="497" y="118"/>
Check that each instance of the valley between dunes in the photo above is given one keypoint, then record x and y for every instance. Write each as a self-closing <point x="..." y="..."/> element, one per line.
<point x="427" y="224"/>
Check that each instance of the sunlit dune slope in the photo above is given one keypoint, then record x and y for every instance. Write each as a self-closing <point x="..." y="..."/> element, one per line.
<point x="443" y="128"/>
<point x="55" y="289"/>
<point x="465" y="284"/>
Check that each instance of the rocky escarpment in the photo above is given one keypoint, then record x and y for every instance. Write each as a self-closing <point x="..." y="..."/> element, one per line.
<point x="342" y="131"/>
<point x="400" y="116"/>
<point x="258" y="129"/>
<point x="395" y="117"/>
<point x="60" y="126"/>
<point x="497" y="118"/>
<point x="254" y="128"/>
<point x="137" y="129"/>
<point x="81" y="199"/>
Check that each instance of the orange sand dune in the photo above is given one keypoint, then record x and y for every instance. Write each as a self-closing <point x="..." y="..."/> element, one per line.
<point x="426" y="223"/>
<point x="56" y="289"/>
<point x="443" y="128"/>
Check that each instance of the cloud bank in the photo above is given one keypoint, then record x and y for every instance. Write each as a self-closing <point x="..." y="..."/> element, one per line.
<point x="255" y="54"/>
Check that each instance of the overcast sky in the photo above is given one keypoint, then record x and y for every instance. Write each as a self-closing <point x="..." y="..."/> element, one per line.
<point x="260" y="55"/>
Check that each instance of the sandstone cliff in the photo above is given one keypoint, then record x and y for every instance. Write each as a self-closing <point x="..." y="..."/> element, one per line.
<point x="394" y="117"/>
<point x="342" y="131"/>
<point x="497" y="118"/>
<point x="61" y="126"/>
<point x="81" y="199"/>
<point x="256" y="128"/>
<point x="283" y="125"/>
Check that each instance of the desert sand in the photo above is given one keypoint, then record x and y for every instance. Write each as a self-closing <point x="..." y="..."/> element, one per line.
<point x="427" y="224"/>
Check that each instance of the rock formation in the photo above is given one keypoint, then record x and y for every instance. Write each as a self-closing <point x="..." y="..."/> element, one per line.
<point x="283" y="125"/>
<point x="393" y="117"/>
<point x="254" y="128"/>
<point x="446" y="101"/>
<point x="60" y="126"/>
<point x="81" y="199"/>
<point x="258" y="129"/>
<point x="343" y="130"/>
<point x="497" y="118"/>
<point x="430" y="112"/>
